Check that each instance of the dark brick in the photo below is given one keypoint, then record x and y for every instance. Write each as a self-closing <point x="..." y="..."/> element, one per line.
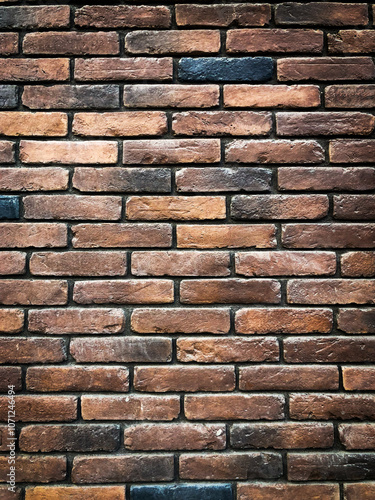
<point x="322" y="14"/>
<point x="8" y="96"/>
<point x="26" y="17"/>
<point x="356" y="320"/>
<point x="9" y="207"/>
<point x="350" y="96"/>
<point x="182" y="491"/>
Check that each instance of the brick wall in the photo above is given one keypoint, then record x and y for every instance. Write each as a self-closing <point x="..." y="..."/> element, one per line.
<point x="187" y="254"/>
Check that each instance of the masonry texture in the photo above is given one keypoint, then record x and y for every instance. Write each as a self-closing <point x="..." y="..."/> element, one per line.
<point x="187" y="264"/>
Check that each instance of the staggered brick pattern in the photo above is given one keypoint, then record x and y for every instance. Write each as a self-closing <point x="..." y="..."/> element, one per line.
<point x="187" y="250"/>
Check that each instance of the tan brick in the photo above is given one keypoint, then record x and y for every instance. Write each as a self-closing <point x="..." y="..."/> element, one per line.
<point x="6" y="152"/>
<point x="267" y="491"/>
<point x="223" y="15"/>
<point x="75" y="493"/>
<point x="34" y="70"/>
<point x="12" y="263"/>
<point x="34" y="179"/>
<point x="358" y="378"/>
<point x="173" y="42"/>
<point x="11" y="320"/>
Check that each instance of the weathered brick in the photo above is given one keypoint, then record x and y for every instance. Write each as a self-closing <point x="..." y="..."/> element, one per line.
<point x="34" y="468"/>
<point x="328" y="235"/>
<point x="322" y="13"/>
<point x="186" y="491"/>
<point x="34" y="70"/>
<point x="351" y="151"/>
<point x="12" y="263"/>
<point x="33" y="292"/>
<point x="28" y="17"/>
<point x="356" y="320"/>
<point x="285" y="491"/>
<point x="10" y="494"/>
<point x="351" y="41"/>
<point x="32" y="350"/>
<point x="11" y="320"/>
<point x="6" y="152"/>
<point x="9" y="207"/>
<point x="335" y="291"/>
<point x="354" y="207"/>
<point x="8" y="96"/>
<point x="357" y="436"/>
<point x="75" y="493"/>
<point x="350" y="96"/>
<point x="358" y="264"/>
<point x="331" y="406"/>
<point x="9" y="375"/>
<point x="41" y="235"/>
<point x="34" y="179"/>
<point x="171" y="96"/>
<point x="359" y="491"/>
<point x="41" y="409"/>
<point x="8" y="43"/>
<point x="357" y="378"/>
<point x="123" y="16"/>
<point x="223" y="15"/>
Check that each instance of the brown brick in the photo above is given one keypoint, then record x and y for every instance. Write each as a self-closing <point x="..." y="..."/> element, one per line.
<point x="133" y="407"/>
<point x="226" y="236"/>
<point x="77" y="378"/>
<point x="34" y="70"/>
<point x="234" y="407"/>
<point x="75" y="493"/>
<point x="351" y="41"/>
<point x="283" y="320"/>
<point x="32" y="350"/>
<point x="223" y="15"/>
<point x="115" y="469"/>
<point x="218" y="123"/>
<point x="132" y="123"/>
<point x="123" y="16"/>
<point x="10" y="375"/>
<point x="12" y="263"/>
<point x="288" y="378"/>
<point x="171" y="96"/>
<point x="129" y="68"/>
<point x="352" y="151"/>
<point x="71" y="43"/>
<point x="225" y="291"/>
<point x="175" y="207"/>
<point x="78" y="263"/>
<point x="357" y="378"/>
<point x="358" y="264"/>
<point x="181" y="320"/>
<point x="121" y="350"/>
<point x="356" y="320"/>
<point x="354" y="207"/>
<point x="328" y="235"/>
<point x="359" y="491"/>
<point x="28" y="17"/>
<point x="41" y="235"/>
<point x="170" y="151"/>
<point x="8" y="43"/>
<point x="281" y="491"/>
<point x="228" y="350"/>
<point x="271" y="96"/>
<point x="274" y="151"/>
<point x="180" y="263"/>
<point x="331" y="291"/>
<point x="123" y="292"/>
<point x="184" y="378"/>
<point x="34" y="179"/>
<point x="34" y="468"/>
<point x="11" y="320"/>
<point x="357" y="436"/>
<point x="6" y="152"/>
<point x="325" y="69"/>
<point x="350" y="96"/>
<point x="231" y="466"/>
<point x="322" y="13"/>
<point x="33" y="292"/>
<point x="175" y="437"/>
<point x="274" y="40"/>
<point x="83" y="438"/>
<point x="41" y="409"/>
<point x="69" y="152"/>
<point x="331" y="406"/>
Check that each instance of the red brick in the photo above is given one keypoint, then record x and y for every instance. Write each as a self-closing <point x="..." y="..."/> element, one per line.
<point x="331" y="291"/>
<point x="9" y="375"/>
<point x="11" y="320"/>
<point x="356" y="320"/>
<point x="350" y="96"/>
<point x="40" y="235"/>
<point x="322" y="13"/>
<point x="129" y="68"/>
<point x="34" y="468"/>
<point x="281" y="491"/>
<point x="71" y="43"/>
<point x="75" y="493"/>
<point x="351" y="41"/>
<point x="41" y="409"/>
<point x="28" y="17"/>
<point x="351" y="151"/>
<point x="12" y="263"/>
<point x="32" y="350"/>
<point x="358" y="264"/>
<point x="33" y="292"/>
<point x="171" y="96"/>
<point x="6" y="152"/>
<point x="359" y="491"/>
<point x="357" y="436"/>
<point x="223" y="15"/>
<point x="34" y="70"/>
<point x="123" y="16"/>
<point x="356" y="378"/>
<point x="34" y="179"/>
<point x="354" y="207"/>
<point x="331" y="406"/>
<point x="8" y="43"/>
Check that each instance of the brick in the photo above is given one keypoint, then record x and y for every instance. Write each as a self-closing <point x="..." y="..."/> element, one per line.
<point x="359" y="491"/>
<point x="117" y="179"/>
<point x="218" y="123"/>
<point x="216" y="179"/>
<point x="68" y="152"/>
<point x="184" y="378"/>
<point x="272" y="96"/>
<point x="71" y="43"/>
<point x="129" y="68"/>
<point x="173" y="42"/>
<point x="281" y="263"/>
<point x="8" y="96"/>
<point x="34" y="179"/>
<point x="78" y="264"/>
<point x="288" y="435"/>
<point x="121" y="350"/>
<point x="10" y="375"/>
<point x="123" y="16"/>
<point x="350" y="96"/>
<point x="338" y="235"/>
<point x="329" y="349"/>
<point x="41" y="409"/>
<point x="325" y="69"/>
<point x="175" y="437"/>
<point x="322" y="14"/>
<point x="283" y="491"/>
<point x="288" y="378"/>
<point x="331" y="406"/>
<point x="354" y="207"/>
<point x="226" y="291"/>
<point x="351" y="41"/>
<point x="351" y="151"/>
<point x="12" y="263"/>
<point x="220" y="69"/>
<point x="34" y="70"/>
<point x="229" y="350"/>
<point x="9" y="207"/>
<point x="75" y="493"/>
<point x="180" y="263"/>
<point x="357" y="378"/>
<point x="81" y="438"/>
<point x="8" y="43"/>
<point x="121" y="235"/>
<point x="115" y="469"/>
<point x="170" y="151"/>
<point x="274" y="151"/>
<point x="330" y="466"/>
<point x="123" y="292"/>
<point x="335" y="291"/>
<point x="34" y="468"/>
<point x="70" y="96"/>
<point x="74" y="320"/>
<point x="231" y="466"/>
<point x="171" y="96"/>
<point x="175" y="207"/>
<point x="356" y="320"/>
<point x="357" y="436"/>
<point x="358" y="264"/>
<point x="77" y="378"/>
<point x="326" y="179"/>
<point x="133" y="407"/>
<point x="324" y="123"/>
<point x="32" y="350"/>
<point x="10" y="494"/>
<point x="11" y="320"/>
<point x="279" y="206"/>
<point x="41" y="235"/>
<point x="223" y="15"/>
<point x="226" y="236"/>
<point x="28" y="17"/>
<point x="234" y="407"/>
<point x="181" y="320"/>
<point x="33" y="292"/>
<point x="6" y="152"/>
<point x="274" y="40"/>
<point x="132" y="123"/>
<point x="185" y="491"/>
